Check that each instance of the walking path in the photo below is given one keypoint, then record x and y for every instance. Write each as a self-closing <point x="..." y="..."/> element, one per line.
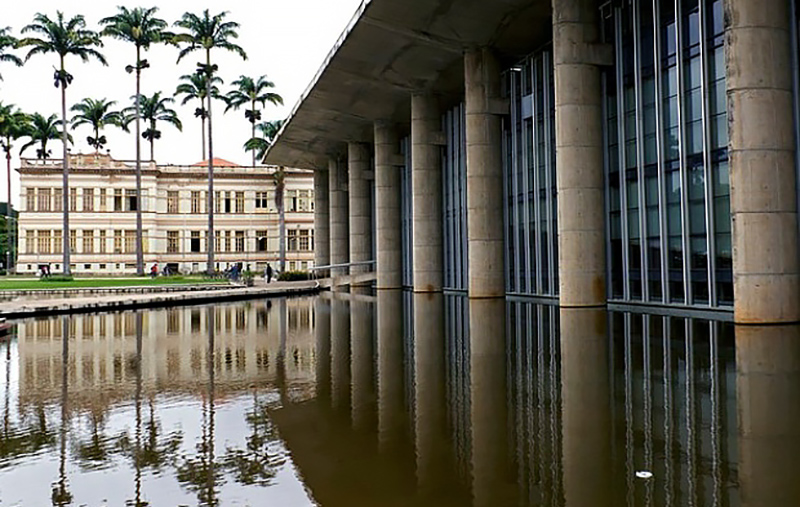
<point x="134" y="297"/>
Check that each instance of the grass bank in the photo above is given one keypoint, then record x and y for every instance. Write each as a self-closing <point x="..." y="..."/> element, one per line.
<point x="81" y="283"/>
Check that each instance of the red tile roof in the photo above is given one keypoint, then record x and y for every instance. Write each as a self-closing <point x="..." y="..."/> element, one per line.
<point x="218" y="162"/>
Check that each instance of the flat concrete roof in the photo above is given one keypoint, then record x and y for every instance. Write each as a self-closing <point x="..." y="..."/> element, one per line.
<point x="391" y="49"/>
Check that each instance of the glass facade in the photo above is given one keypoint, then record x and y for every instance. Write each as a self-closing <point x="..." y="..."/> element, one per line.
<point x="668" y="192"/>
<point x="454" y="187"/>
<point x="530" y="179"/>
<point x="406" y="216"/>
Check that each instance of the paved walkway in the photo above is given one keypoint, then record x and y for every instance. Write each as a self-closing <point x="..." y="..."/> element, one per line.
<point x="126" y="299"/>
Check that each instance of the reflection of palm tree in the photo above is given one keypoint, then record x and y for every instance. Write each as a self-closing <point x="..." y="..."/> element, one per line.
<point x="199" y="473"/>
<point x="149" y="451"/>
<point x="95" y="453"/>
<point x="60" y="492"/>
<point x="256" y="464"/>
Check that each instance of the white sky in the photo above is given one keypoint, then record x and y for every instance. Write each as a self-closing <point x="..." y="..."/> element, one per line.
<point x="285" y="39"/>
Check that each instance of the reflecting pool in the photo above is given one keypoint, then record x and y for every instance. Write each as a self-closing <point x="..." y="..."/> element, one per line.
<point x="398" y="399"/>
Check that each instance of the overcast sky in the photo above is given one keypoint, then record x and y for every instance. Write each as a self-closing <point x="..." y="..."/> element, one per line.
<point x="285" y="39"/>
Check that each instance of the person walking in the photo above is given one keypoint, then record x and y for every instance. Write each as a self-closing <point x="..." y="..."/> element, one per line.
<point x="268" y="273"/>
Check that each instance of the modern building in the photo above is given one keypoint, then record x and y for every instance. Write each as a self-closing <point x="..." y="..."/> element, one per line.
<point x="103" y="207"/>
<point x="594" y="152"/>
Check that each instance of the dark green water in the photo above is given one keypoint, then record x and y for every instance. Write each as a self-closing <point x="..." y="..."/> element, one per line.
<point x="398" y="400"/>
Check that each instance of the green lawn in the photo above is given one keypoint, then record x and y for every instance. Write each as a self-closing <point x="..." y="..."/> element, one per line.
<point x="78" y="283"/>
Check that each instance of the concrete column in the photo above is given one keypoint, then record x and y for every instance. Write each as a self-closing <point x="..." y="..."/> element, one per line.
<point x="387" y="207"/>
<point x="338" y="211"/>
<point x="768" y="402"/>
<point x="322" y="337"/>
<point x="429" y="393"/>
<point x="358" y="164"/>
<point x="484" y="176"/>
<point x="340" y="352"/>
<point x="579" y="154"/>
<point x="762" y="162"/>
<point x="362" y="363"/>
<point x="585" y="408"/>
<point x="391" y="410"/>
<point x="491" y="481"/>
<point x="426" y="181"/>
<point x="322" y="237"/>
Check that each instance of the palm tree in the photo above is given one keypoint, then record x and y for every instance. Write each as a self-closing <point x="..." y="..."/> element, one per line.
<point x="280" y="185"/>
<point x="205" y="33"/>
<point x="153" y="110"/>
<point x="14" y="124"/>
<point x="253" y="92"/>
<point x="142" y="28"/>
<point x="194" y="88"/>
<point x="63" y="37"/>
<point x="259" y="145"/>
<point x="8" y="41"/>
<point x="96" y="113"/>
<point x="41" y="130"/>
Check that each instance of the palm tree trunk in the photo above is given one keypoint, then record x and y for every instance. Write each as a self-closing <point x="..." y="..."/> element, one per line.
<point x="152" y="140"/>
<point x="9" y="228"/>
<point x="253" y="129"/>
<point x="210" y="267"/>
<point x="65" y="183"/>
<point x="139" y="241"/>
<point x="282" y="233"/>
<point x="252" y="135"/>
<point x="203" y="134"/>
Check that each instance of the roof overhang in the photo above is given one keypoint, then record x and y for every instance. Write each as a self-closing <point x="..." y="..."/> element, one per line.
<point x="391" y="49"/>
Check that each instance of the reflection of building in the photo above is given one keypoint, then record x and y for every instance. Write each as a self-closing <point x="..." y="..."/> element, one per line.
<point x="103" y="207"/>
<point x="101" y="355"/>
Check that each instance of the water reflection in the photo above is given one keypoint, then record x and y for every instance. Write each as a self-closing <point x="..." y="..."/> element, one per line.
<point x="352" y="399"/>
<point x="768" y="395"/>
<point x="154" y="408"/>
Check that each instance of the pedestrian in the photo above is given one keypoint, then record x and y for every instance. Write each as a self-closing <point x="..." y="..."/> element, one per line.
<point x="154" y="270"/>
<point x="268" y="272"/>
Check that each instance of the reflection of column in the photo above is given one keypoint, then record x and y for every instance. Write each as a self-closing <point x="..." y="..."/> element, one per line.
<point x="340" y="353"/>
<point x="390" y="366"/>
<point x="362" y="364"/>
<point x="487" y="325"/>
<point x="322" y="334"/>
<point x="358" y="164"/>
<point x="586" y="408"/>
<point x="429" y="393"/>
<point x="426" y="178"/>
<point x="768" y="400"/>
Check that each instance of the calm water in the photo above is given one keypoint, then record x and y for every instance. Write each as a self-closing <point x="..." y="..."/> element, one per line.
<point x="397" y="400"/>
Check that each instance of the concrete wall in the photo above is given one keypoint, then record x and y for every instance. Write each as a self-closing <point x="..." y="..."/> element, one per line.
<point x="579" y="154"/>
<point x="762" y="162"/>
<point x="426" y="178"/>
<point x="485" y="200"/>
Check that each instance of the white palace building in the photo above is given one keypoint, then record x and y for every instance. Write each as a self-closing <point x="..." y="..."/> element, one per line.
<point x="102" y="202"/>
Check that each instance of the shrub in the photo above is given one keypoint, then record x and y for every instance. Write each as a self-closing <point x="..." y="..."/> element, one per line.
<point x="294" y="276"/>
